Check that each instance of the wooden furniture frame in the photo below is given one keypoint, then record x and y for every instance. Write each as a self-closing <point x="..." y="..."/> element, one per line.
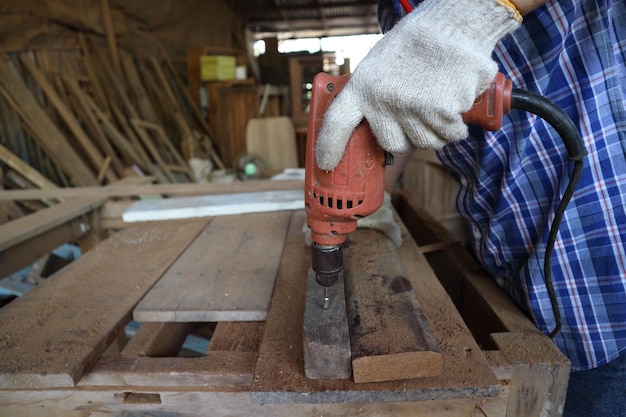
<point x="145" y="378"/>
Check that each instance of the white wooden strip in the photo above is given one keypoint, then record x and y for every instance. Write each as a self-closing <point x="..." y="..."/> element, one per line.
<point x="214" y="205"/>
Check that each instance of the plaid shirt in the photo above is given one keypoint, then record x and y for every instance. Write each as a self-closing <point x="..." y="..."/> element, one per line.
<point x="573" y="52"/>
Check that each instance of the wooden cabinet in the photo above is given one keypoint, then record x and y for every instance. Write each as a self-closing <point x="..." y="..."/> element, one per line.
<point x="231" y="105"/>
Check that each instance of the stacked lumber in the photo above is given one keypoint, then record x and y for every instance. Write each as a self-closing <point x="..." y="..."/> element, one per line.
<point x="76" y="117"/>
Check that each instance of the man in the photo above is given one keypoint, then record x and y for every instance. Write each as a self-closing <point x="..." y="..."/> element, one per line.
<point x="418" y="80"/>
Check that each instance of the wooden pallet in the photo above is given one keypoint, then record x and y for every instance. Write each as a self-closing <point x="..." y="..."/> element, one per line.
<point x="58" y="357"/>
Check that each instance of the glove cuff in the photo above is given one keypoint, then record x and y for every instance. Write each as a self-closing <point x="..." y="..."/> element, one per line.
<point x="476" y="23"/>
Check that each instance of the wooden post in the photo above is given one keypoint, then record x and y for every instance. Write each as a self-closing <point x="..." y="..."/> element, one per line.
<point x="110" y="33"/>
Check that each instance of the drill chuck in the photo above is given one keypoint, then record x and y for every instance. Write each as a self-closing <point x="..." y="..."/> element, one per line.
<point x="327" y="263"/>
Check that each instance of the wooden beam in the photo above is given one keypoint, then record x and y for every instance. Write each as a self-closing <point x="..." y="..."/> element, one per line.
<point x="22" y="254"/>
<point x="157" y="340"/>
<point x="237" y="336"/>
<point x="91" y="125"/>
<point x="24" y="228"/>
<point x="110" y="34"/>
<point x="217" y="369"/>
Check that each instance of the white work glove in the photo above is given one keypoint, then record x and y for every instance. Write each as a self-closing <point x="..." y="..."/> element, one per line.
<point x="381" y="220"/>
<point x="418" y="80"/>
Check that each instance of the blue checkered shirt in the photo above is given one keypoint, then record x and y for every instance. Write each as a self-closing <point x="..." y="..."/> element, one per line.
<point x="573" y="52"/>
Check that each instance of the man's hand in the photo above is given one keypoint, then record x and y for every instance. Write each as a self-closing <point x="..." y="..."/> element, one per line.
<point x="416" y="83"/>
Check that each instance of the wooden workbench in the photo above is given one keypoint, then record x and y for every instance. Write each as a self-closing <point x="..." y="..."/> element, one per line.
<point x="58" y="351"/>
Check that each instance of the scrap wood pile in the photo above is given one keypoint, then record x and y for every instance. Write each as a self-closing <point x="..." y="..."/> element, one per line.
<point x="76" y="117"/>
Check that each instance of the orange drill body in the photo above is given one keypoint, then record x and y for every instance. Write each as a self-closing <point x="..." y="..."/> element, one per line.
<point x="335" y="200"/>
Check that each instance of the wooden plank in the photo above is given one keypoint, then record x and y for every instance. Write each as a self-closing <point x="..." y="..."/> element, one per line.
<point x="208" y="283"/>
<point x="121" y="143"/>
<point x="26" y="252"/>
<point x="90" y="68"/>
<point x="165" y="189"/>
<point x="124" y="400"/>
<point x="47" y="134"/>
<point x="326" y="347"/>
<point x="24" y="228"/>
<point x="169" y="152"/>
<point x="24" y="169"/>
<point x="199" y="117"/>
<point x="389" y="334"/>
<point x="215" y="205"/>
<point x="138" y="91"/>
<point x="217" y="369"/>
<point x="237" y="336"/>
<point x="153" y="150"/>
<point x="279" y="375"/>
<point x="88" y="119"/>
<point x="54" y="334"/>
<point x="157" y="340"/>
<point x="93" y="153"/>
<point x="110" y="34"/>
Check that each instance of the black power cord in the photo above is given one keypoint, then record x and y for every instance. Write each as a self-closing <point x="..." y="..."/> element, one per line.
<point x="567" y="130"/>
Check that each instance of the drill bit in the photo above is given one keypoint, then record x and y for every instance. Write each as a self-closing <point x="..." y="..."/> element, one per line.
<point x="326" y="299"/>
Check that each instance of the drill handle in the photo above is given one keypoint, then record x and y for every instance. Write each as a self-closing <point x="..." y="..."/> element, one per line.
<point x="492" y="105"/>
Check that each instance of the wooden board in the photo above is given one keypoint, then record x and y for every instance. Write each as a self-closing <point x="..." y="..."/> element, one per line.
<point x="157" y="340"/>
<point x="52" y="335"/>
<point x="209" y="283"/>
<point x="237" y="336"/>
<point x="279" y="375"/>
<point x="532" y="372"/>
<point x="390" y="336"/>
<point x="214" y="205"/>
<point x="326" y="347"/>
<point x="217" y="369"/>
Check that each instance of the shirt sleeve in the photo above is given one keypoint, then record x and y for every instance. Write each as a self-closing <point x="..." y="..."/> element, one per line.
<point x="390" y="12"/>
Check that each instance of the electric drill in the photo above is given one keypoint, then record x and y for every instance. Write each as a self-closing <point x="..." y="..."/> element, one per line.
<point x="335" y="200"/>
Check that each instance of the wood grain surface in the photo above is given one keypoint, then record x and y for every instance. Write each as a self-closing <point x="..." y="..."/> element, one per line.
<point x="390" y="336"/>
<point x="226" y="274"/>
<point x="279" y="374"/>
<point x="52" y="335"/>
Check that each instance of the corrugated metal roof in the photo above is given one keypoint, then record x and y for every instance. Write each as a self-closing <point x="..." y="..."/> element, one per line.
<point x="307" y="18"/>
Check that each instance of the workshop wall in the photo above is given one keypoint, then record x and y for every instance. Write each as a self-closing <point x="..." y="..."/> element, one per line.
<point x="138" y="24"/>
